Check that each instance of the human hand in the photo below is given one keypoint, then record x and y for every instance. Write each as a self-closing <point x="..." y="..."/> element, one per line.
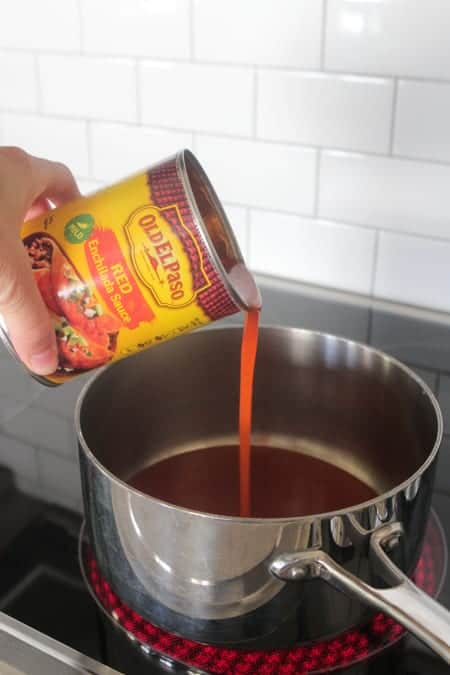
<point x="27" y="186"/>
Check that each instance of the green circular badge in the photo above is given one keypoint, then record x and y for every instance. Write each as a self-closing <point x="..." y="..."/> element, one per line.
<point x="79" y="228"/>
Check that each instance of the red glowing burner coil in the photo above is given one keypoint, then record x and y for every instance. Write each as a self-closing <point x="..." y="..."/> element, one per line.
<point x="321" y="657"/>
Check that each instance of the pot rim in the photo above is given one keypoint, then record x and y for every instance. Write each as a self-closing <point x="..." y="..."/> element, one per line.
<point x="286" y="519"/>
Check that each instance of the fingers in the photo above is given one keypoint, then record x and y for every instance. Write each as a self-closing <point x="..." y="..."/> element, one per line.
<point x="52" y="181"/>
<point x="39" y="207"/>
<point x="26" y="180"/>
<point x="27" y="185"/>
<point x="24" y="312"/>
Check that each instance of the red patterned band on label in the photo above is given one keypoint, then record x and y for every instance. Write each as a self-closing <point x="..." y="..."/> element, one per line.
<point x="167" y="190"/>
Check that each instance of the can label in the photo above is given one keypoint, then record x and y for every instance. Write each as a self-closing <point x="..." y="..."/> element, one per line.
<point x="124" y="269"/>
<point x="158" y="256"/>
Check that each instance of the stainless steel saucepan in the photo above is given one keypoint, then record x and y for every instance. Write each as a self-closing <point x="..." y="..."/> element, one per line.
<point x="226" y="580"/>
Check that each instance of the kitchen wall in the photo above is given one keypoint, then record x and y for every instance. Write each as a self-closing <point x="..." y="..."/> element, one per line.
<point x="323" y="123"/>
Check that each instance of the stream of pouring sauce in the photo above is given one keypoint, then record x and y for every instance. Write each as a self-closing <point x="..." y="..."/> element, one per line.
<point x="258" y="481"/>
<point x="248" y="358"/>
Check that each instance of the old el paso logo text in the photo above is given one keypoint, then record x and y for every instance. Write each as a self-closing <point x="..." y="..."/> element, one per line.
<point x="159" y="258"/>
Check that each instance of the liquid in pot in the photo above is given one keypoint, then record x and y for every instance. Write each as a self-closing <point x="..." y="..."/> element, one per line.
<point x="284" y="483"/>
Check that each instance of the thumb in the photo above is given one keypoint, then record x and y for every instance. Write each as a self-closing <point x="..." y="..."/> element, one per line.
<point x="26" y="317"/>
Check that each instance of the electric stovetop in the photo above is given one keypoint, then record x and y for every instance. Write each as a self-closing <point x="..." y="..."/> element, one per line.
<point x="41" y="586"/>
<point x="40" y="579"/>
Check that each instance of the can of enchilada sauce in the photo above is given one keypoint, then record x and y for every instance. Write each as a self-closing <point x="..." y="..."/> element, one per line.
<point x="136" y="264"/>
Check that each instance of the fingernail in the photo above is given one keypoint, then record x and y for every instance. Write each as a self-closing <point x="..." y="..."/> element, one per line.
<point x="44" y="362"/>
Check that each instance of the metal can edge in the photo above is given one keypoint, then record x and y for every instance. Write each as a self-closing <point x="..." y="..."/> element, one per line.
<point x="182" y="171"/>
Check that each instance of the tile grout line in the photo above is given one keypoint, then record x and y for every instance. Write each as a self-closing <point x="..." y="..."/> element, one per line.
<point x="101" y="181"/>
<point x="194" y="142"/>
<point x="231" y="64"/>
<point x="352" y="152"/>
<point x="255" y="103"/>
<point x="71" y="457"/>
<point x="41" y="460"/>
<point x="80" y="25"/>
<point x="437" y="380"/>
<point x="323" y="35"/>
<point x="192" y="58"/>
<point x="374" y="262"/>
<point x="317" y="185"/>
<point x="393" y="118"/>
<point x="301" y="214"/>
<point x="369" y="326"/>
<point x="37" y="74"/>
<point x="137" y="75"/>
<point x="36" y="490"/>
<point x="359" y="226"/>
<point x="90" y="157"/>
<point x="248" y="238"/>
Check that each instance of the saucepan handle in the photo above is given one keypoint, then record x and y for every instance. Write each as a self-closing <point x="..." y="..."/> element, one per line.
<point x="403" y="601"/>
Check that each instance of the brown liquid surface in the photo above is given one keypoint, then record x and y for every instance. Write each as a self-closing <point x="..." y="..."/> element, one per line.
<point x="284" y="483"/>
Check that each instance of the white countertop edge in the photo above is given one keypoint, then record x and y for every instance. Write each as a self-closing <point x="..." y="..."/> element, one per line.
<point x="52" y="648"/>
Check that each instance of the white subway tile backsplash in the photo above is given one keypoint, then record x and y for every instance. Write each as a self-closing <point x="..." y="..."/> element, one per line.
<point x="43" y="429"/>
<point x="59" y="478"/>
<point x="444" y="400"/>
<point x="394" y="194"/>
<point x="318" y="109"/>
<point x="28" y="487"/>
<point x="119" y="150"/>
<point x="18" y="85"/>
<point x="413" y="270"/>
<point x="87" y="187"/>
<point x="238" y="218"/>
<point x="57" y="139"/>
<point x="21" y="458"/>
<point x="52" y="494"/>
<point x="428" y="376"/>
<point x="263" y="32"/>
<point x="47" y="24"/>
<point x="151" y="28"/>
<point x="62" y="400"/>
<point x="197" y="97"/>
<point x="10" y="407"/>
<point x="17" y="389"/>
<point x="422" y="120"/>
<point x="265" y="175"/>
<point x="405" y="37"/>
<point x="89" y="87"/>
<point x="317" y="252"/>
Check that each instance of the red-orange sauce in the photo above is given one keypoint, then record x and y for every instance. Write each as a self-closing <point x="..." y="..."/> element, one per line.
<point x="284" y="483"/>
<point x="248" y="358"/>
